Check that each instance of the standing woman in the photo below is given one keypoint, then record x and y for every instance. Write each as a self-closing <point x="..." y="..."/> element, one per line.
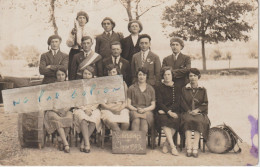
<point x="167" y="116"/>
<point x="60" y="120"/>
<point x="75" y="36"/>
<point x="141" y="102"/>
<point x="87" y="118"/>
<point x="130" y="44"/>
<point x="194" y="103"/>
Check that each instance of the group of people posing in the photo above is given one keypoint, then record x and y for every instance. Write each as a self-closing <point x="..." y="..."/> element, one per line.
<point x="165" y="96"/>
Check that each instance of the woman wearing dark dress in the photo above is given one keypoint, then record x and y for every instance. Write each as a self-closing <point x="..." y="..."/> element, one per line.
<point x="167" y="116"/>
<point x="194" y="103"/>
<point x="141" y="102"/>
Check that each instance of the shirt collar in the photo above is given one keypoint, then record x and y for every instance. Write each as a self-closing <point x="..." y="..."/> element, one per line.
<point x="176" y="55"/>
<point x="188" y="86"/>
<point x="86" y="53"/>
<point x="53" y="53"/>
<point x="145" y="53"/>
<point x="110" y="32"/>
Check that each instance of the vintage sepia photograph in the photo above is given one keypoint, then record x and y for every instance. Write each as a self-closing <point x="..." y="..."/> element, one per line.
<point x="129" y="83"/>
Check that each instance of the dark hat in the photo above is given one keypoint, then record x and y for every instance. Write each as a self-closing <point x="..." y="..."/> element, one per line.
<point x="180" y="41"/>
<point x="112" y="22"/>
<point x="195" y="71"/>
<point x="53" y="37"/>
<point x="82" y="13"/>
<point x="135" y="21"/>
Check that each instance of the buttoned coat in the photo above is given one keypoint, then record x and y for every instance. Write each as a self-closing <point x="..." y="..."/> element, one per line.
<point x="103" y="43"/>
<point x="60" y="60"/>
<point x="153" y="65"/>
<point x="128" y="48"/>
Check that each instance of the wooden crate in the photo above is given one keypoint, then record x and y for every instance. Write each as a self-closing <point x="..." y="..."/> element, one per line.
<point x="30" y="129"/>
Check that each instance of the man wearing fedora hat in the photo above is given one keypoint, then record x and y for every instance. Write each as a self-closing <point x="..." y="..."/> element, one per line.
<point x="104" y="40"/>
<point x="179" y="62"/>
<point x="52" y="60"/>
<point x="130" y="44"/>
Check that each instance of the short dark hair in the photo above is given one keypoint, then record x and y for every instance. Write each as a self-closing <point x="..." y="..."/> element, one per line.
<point x="144" y="36"/>
<point x="115" y="43"/>
<point x="166" y="68"/>
<point x="84" y="38"/>
<point x="62" y="70"/>
<point x="112" y="66"/>
<point x="143" y="70"/>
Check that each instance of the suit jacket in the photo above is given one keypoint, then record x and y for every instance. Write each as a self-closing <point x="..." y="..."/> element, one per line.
<point x="153" y="64"/>
<point x="128" y="48"/>
<point x="180" y="68"/>
<point x="103" y="43"/>
<point x="60" y="60"/>
<point x="124" y="67"/>
<point x="77" y="59"/>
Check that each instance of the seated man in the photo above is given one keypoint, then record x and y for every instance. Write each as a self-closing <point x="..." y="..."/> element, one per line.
<point x="115" y="113"/>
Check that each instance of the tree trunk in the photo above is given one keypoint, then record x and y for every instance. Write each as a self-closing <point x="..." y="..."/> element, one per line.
<point x="52" y="17"/>
<point x="203" y="55"/>
<point x="128" y="10"/>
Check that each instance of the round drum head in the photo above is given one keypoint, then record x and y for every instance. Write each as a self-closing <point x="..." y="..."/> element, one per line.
<point x="219" y="141"/>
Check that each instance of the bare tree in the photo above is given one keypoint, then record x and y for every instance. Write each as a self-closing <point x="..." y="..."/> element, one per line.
<point x="135" y="9"/>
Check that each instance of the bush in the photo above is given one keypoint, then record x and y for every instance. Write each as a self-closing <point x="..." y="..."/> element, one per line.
<point x="217" y="55"/>
<point x="253" y="55"/>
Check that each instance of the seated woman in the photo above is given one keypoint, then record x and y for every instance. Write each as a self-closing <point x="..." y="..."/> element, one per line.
<point x="115" y="113"/>
<point x="141" y="102"/>
<point x="87" y="118"/>
<point x="167" y="116"/>
<point x="60" y="120"/>
<point x="194" y="103"/>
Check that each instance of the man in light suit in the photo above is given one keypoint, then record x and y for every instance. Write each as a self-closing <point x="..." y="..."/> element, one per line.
<point x="179" y="62"/>
<point x="118" y="61"/>
<point x="146" y="58"/>
<point x="103" y="41"/>
<point x="86" y="58"/>
<point x="53" y="60"/>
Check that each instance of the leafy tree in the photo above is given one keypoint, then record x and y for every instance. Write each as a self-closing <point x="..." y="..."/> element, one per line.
<point x="208" y="21"/>
<point x="31" y="54"/>
<point x="137" y="8"/>
<point x="11" y="52"/>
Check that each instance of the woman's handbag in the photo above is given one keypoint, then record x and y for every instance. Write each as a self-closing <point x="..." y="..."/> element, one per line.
<point x="222" y="139"/>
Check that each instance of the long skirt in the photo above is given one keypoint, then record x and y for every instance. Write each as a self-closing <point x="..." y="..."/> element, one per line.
<point x="53" y="121"/>
<point x="80" y="115"/>
<point x="123" y="117"/>
<point x="199" y="123"/>
<point x="162" y="120"/>
<point x="148" y="116"/>
<point x="71" y="55"/>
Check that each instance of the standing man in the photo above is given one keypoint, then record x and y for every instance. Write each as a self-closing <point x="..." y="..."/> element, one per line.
<point x="146" y="58"/>
<point x="179" y="62"/>
<point x="118" y="61"/>
<point x="130" y="44"/>
<point x="86" y="58"/>
<point x="53" y="60"/>
<point x="104" y="40"/>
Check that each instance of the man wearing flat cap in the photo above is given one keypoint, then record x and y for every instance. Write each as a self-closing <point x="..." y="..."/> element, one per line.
<point x="130" y="44"/>
<point x="53" y="60"/>
<point x="103" y="41"/>
<point x="179" y="62"/>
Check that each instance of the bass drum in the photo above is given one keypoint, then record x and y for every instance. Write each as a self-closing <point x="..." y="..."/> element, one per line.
<point x="220" y="140"/>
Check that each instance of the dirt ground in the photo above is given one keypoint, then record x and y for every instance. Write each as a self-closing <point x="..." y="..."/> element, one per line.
<point x="231" y="100"/>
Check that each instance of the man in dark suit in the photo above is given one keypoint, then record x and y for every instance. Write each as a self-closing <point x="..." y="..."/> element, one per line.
<point x="130" y="44"/>
<point x="120" y="62"/>
<point x="179" y="62"/>
<point x="104" y="40"/>
<point x="86" y="58"/>
<point x="53" y="60"/>
<point x="146" y="58"/>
